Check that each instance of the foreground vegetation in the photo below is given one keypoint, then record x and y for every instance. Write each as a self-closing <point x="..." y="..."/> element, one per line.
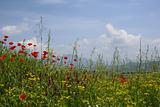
<point x="29" y="79"/>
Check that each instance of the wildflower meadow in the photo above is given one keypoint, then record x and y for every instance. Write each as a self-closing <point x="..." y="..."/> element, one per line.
<point x="32" y="78"/>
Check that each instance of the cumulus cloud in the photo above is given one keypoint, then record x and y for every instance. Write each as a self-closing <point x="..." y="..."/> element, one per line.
<point x="14" y="29"/>
<point x="128" y="44"/>
<point x="122" y="35"/>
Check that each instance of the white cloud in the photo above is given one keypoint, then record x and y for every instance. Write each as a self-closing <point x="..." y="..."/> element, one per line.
<point x="10" y="30"/>
<point x="122" y="35"/>
<point x="14" y="29"/>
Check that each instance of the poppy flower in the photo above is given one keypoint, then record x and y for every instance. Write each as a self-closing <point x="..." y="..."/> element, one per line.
<point x="65" y="57"/>
<point x="22" y="97"/>
<point x="19" y="44"/>
<point x="11" y="43"/>
<point x="53" y="61"/>
<point x="5" y="36"/>
<point x="12" y="59"/>
<point x="3" y="56"/>
<point x="12" y="48"/>
<point x="29" y="44"/>
<point x="35" y="54"/>
<point x="45" y="52"/>
<point x="71" y="66"/>
<point x="23" y="47"/>
<point x="65" y="62"/>
<point x="21" y="52"/>
<point x="75" y="60"/>
<point x="122" y="79"/>
<point x="44" y="57"/>
<point x="14" y="55"/>
<point x="53" y="56"/>
<point x="58" y="59"/>
<point x="21" y="60"/>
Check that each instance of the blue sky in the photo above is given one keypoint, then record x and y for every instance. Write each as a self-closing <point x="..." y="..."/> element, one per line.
<point x="104" y="24"/>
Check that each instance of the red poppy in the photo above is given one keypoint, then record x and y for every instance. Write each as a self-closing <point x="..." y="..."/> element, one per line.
<point x="65" y="62"/>
<point x="58" y="59"/>
<point x="44" y="57"/>
<point x="12" y="48"/>
<point x="75" y="60"/>
<point x="65" y="57"/>
<point x="14" y="55"/>
<point x="5" y="36"/>
<point x="22" y="97"/>
<point x="23" y="47"/>
<point x="3" y="56"/>
<point x="122" y="79"/>
<point x="12" y="59"/>
<point x="19" y="44"/>
<point x="35" y="54"/>
<point x="21" y="52"/>
<point x="11" y="43"/>
<point x="45" y="52"/>
<point x="71" y="66"/>
<point x="29" y="44"/>
<point x="21" y="60"/>
<point x="53" y="56"/>
<point x="53" y="61"/>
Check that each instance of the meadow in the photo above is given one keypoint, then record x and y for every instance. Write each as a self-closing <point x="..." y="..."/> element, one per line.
<point x="29" y="78"/>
